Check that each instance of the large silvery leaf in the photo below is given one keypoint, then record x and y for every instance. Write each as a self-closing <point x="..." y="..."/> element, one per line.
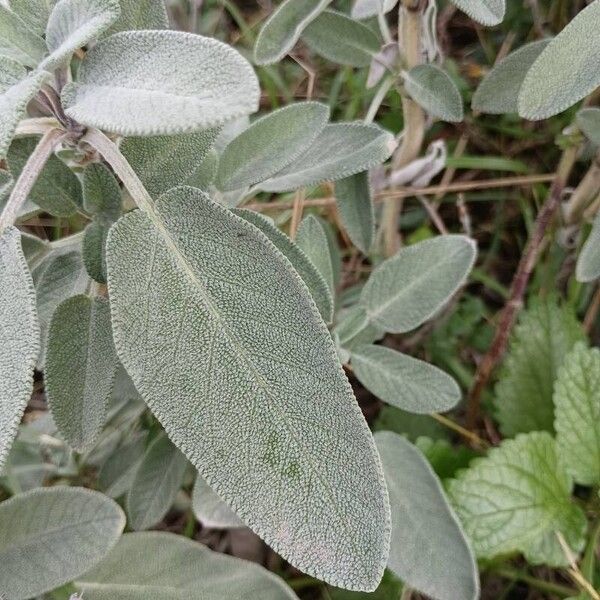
<point x="340" y="150"/>
<point x="210" y="510"/>
<point x="486" y="12"/>
<point x="498" y="93"/>
<point x="283" y="28"/>
<point x="75" y="23"/>
<point x="341" y="39"/>
<point x="243" y="357"/>
<point x="312" y="240"/>
<point x="403" y="381"/>
<point x="429" y="551"/>
<point x="588" y="120"/>
<point x="516" y="499"/>
<point x="588" y="263"/>
<point x="144" y="83"/>
<point x="141" y="14"/>
<point x="80" y="369"/>
<point x="411" y="286"/>
<point x="34" y="13"/>
<point x="314" y="280"/>
<point x="19" y="333"/>
<point x="355" y="205"/>
<point x="270" y="144"/>
<point x="364" y="9"/>
<point x="577" y="423"/>
<point x="50" y="536"/>
<point x="432" y="88"/>
<point x="567" y="70"/>
<point x="163" y="566"/>
<point x="17" y="41"/>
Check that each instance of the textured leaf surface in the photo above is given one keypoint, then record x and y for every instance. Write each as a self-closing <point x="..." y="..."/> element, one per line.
<point x="432" y="88"/>
<point x="498" y="93"/>
<point x="34" y="13"/>
<point x="141" y="14"/>
<point x="567" y="70"/>
<point x="341" y="39"/>
<point x="429" y="551"/>
<point x="164" y="566"/>
<point x="49" y="536"/>
<point x="270" y="144"/>
<point x="411" y="286"/>
<point x="210" y="510"/>
<point x="588" y="263"/>
<point x="486" y="12"/>
<point x="101" y="193"/>
<point x="19" y="332"/>
<point x="542" y="339"/>
<point x="363" y="9"/>
<point x="80" y="369"/>
<point x="588" y="120"/>
<point x="312" y="240"/>
<point x="283" y="28"/>
<point x="206" y="172"/>
<point x="577" y="405"/>
<point x="17" y="41"/>
<point x="118" y="472"/>
<point x="404" y="381"/>
<point x="309" y="273"/>
<point x="94" y="250"/>
<point x="236" y="357"/>
<point x="144" y="83"/>
<point x="340" y="150"/>
<point x="516" y="499"/>
<point x="355" y="206"/>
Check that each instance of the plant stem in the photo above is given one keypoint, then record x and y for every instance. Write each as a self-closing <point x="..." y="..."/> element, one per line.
<point x="545" y="586"/>
<point x="586" y="191"/>
<point x="38" y="126"/>
<point x="379" y="97"/>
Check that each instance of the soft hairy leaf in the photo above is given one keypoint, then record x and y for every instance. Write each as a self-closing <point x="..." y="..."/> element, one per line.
<point x="354" y="201"/>
<point x="210" y="510"/>
<point x="51" y="535"/>
<point x="434" y="90"/>
<point x="486" y="12"/>
<point x="80" y="369"/>
<point x="163" y="566"/>
<point x="101" y="193"/>
<point x="566" y="71"/>
<point x="340" y="150"/>
<point x="141" y="14"/>
<point x="118" y="472"/>
<point x="588" y="120"/>
<point x="75" y="23"/>
<point x="236" y="356"/>
<point x="404" y="381"/>
<point x="283" y="28"/>
<point x="516" y="499"/>
<point x="577" y="422"/>
<point x="588" y="263"/>
<point x="312" y="277"/>
<point x="498" y="93"/>
<point x="206" y="172"/>
<point x="17" y="41"/>
<point x="338" y="38"/>
<point x="364" y="9"/>
<point x="34" y="13"/>
<point x="146" y="83"/>
<point x="94" y="250"/>
<point x="156" y="483"/>
<point x="429" y="551"/>
<point x="413" y="285"/>
<point x="270" y="144"/>
<point x="312" y="240"/>
<point x="19" y="332"/>
<point x="544" y="336"/>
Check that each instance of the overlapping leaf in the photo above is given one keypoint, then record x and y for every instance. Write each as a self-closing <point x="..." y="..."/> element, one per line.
<point x="588" y="263"/>
<point x="17" y="41"/>
<point x="210" y="510"/>
<point x="486" y="12"/>
<point x="34" y="13"/>
<point x="363" y="9"/>
<point x="588" y="120"/>
<point x="354" y="201"/>
<point x="118" y="472"/>
<point x="141" y="14"/>
<point x="312" y="240"/>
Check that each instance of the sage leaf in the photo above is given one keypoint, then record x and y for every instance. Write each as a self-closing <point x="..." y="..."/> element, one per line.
<point x="429" y="551"/>
<point x="156" y="483"/>
<point x="210" y="510"/>
<point x="118" y="472"/>
<point x="486" y="12"/>
<point x="409" y="288"/>
<point x="588" y="120"/>
<point x="339" y="151"/>
<point x="165" y="566"/>
<point x="309" y="273"/>
<point x="312" y="240"/>
<point x="243" y="356"/>
<point x="341" y="39"/>
<point x="354" y="200"/>
<point x="566" y="71"/>
<point x="588" y="263"/>
<point x="206" y="172"/>
<point x="577" y="422"/>
<point x="516" y="499"/>
<point x="283" y="28"/>
<point x="364" y="9"/>
<point x="101" y="193"/>
<point x="19" y="332"/>
<point x="498" y="93"/>
<point x="80" y="369"/>
<point x="94" y="250"/>
<point x="141" y="14"/>
<point x="49" y="536"/>
<point x="270" y="144"/>
<point x="17" y="41"/>
<point x="434" y="90"/>
<point x="34" y="13"/>
<point x="403" y="381"/>
<point x="146" y="83"/>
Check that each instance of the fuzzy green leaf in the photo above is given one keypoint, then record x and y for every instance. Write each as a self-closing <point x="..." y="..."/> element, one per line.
<point x="146" y="83"/>
<point x="17" y="41"/>
<point x="486" y="12"/>
<point x="409" y="288"/>
<point x="141" y="14"/>
<point x="19" y="332"/>
<point x="567" y="70"/>
<point x="50" y="536"/>
<point x="429" y="551"/>
<point x="270" y="144"/>
<point x="588" y="120"/>
<point x="516" y="499"/>
<point x="588" y="263"/>
<point x="340" y="150"/>
<point x="163" y="566"/>
<point x="118" y="472"/>
<point x="405" y="382"/>
<point x="206" y="172"/>
<point x="364" y="9"/>
<point x="34" y="13"/>
<point x="101" y="193"/>
<point x="94" y="250"/>
<point x="243" y="357"/>
<point x="210" y="510"/>
<point x="355" y="205"/>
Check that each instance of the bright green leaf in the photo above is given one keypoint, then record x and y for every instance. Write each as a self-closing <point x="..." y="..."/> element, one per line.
<point x="354" y="201"/>
<point x="486" y="12"/>
<point x="210" y="510"/>
<point x="17" y="41"/>
<point x="588" y="120"/>
<point x="141" y="14"/>
<point x="588" y="263"/>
